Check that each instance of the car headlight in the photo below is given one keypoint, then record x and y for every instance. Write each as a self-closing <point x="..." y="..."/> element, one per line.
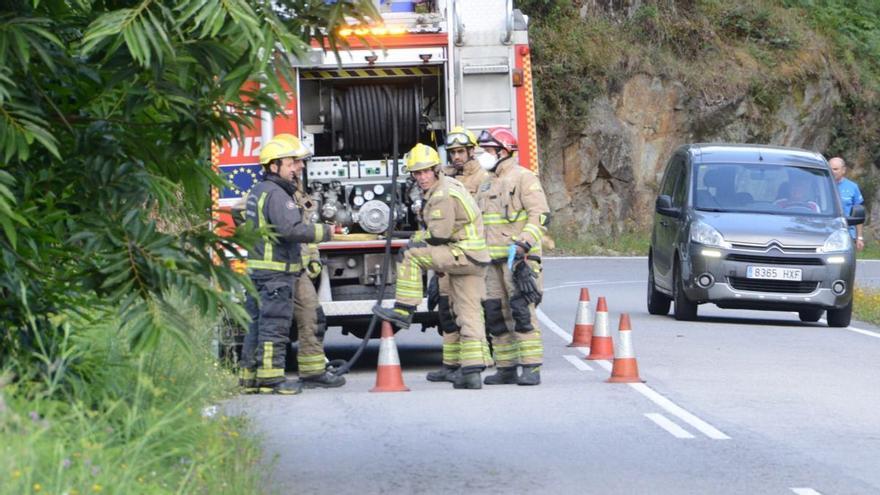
<point x="707" y="235"/>
<point x="839" y="240"/>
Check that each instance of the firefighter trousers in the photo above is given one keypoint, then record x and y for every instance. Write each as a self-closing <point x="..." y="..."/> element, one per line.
<point x="306" y="308"/>
<point x="466" y="287"/>
<point x="450" y="329"/>
<point x="511" y="321"/>
<point x="265" y="345"/>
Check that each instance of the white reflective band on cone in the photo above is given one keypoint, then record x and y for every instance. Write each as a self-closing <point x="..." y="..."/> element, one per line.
<point x="600" y="329"/>
<point x="584" y="317"/>
<point x="624" y="347"/>
<point x="388" y="353"/>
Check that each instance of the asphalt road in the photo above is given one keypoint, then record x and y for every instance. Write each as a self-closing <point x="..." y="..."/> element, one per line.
<point x="736" y="402"/>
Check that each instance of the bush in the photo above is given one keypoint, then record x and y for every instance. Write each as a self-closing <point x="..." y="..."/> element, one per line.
<point x="99" y="418"/>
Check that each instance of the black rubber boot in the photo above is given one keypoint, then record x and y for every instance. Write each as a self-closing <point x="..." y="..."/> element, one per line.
<point x="531" y="375"/>
<point x="400" y="318"/>
<point x="444" y="374"/>
<point x="248" y="385"/>
<point x="502" y="376"/>
<point x="324" y="380"/>
<point x="470" y="380"/>
<point x="287" y="387"/>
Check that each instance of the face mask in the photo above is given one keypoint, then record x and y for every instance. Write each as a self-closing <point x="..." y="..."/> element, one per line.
<point x="486" y="160"/>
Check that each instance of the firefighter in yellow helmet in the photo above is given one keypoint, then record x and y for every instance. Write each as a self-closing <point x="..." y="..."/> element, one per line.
<point x="515" y="215"/>
<point x="309" y="321"/>
<point x="275" y="265"/>
<point x="451" y="243"/>
<point x="463" y="166"/>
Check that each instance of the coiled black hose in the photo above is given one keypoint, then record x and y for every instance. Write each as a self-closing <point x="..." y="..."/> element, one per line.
<point x="392" y="221"/>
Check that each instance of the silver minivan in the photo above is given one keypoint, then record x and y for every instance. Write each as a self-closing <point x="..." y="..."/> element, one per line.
<point x="751" y="227"/>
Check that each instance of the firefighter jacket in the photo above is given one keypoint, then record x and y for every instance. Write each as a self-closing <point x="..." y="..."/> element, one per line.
<point x="451" y="217"/>
<point x="472" y="175"/>
<point x="307" y="204"/>
<point x="272" y="205"/>
<point x="514" y="209"/>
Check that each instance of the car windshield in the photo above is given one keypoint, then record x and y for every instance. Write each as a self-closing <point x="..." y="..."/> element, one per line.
<point x="763" y="188"/>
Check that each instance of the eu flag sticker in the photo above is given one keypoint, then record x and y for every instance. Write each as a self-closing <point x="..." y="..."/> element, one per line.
<point x="241" y="178"/>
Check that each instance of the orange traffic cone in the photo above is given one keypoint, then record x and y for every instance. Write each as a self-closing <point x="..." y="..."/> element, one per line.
<point x="601" y="345"/>
<point x="389" y="377"/>
<point x="583" y="322"/>
<point x="625" y="368"/>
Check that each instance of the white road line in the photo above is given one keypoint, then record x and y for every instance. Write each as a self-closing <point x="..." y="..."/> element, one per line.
<point x="571" y="284"/>
<point x="671" y="407"/>
<point x="552" y="325"/>
<point x="578" y="362"/>
<point x="863" y="332"/>
<point x="593" y="283"/>
<point x="567" y="258"/>
<point x="679" y="412"/>
<point x="668" y="425"/>
<point x="805" y="491"/>
<point x="857" y="330"/>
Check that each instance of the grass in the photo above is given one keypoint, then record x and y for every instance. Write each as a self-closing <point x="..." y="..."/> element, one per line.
<point x="104" y="420"/>
<point x="629" y="243"/>
<point x="866" y="306"/>
<point x="871" y="251"/>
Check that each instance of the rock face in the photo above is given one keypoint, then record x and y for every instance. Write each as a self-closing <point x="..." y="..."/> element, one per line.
<point x="604" y="179"/>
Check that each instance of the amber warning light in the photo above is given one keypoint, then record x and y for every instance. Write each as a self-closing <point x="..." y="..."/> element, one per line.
<point x="373" y="30"/>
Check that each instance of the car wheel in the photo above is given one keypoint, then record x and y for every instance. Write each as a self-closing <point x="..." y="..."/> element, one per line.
<point x="658" y="302"/>
<point x="685" y="310"/>
<point x="840" y="317"/>
<point x="810" y="315"/>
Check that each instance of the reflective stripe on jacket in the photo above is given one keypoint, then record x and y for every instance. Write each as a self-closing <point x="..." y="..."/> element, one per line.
<point x="514" y="209"/>
<point x="452" y="217"/>
<point x="269" y="205"/>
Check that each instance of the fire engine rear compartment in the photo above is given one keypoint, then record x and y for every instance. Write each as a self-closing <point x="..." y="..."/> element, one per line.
<point x="350" y="117"/>
<point x="347" y="117"/>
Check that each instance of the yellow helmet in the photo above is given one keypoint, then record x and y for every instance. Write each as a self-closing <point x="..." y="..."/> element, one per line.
<point x="421" y="157"/>
<point x="459" y="137"/>
<point x="283" y="146"/>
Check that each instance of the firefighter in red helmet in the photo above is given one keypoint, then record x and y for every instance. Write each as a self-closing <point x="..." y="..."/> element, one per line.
<point x="515" y="217"/>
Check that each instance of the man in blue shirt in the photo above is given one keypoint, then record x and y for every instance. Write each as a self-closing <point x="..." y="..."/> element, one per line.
<point x="849" y="196"/>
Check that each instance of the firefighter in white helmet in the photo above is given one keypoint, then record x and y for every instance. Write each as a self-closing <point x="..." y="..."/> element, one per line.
<point x="515" y="215"/>
<point x="463" y="166"/>
<point x="275" y="265"/>
<point x="451" y="243"/>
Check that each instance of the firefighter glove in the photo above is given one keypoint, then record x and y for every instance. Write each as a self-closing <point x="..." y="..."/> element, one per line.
<point x="433" y="293"/>
<point x="526" y="282"/>
<point x="313" y="268"/>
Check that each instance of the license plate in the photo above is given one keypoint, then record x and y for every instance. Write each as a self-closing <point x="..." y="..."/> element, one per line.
<point x="773" y="273"/>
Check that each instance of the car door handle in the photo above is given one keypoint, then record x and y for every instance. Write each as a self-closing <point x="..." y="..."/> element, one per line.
<point x="664" y="223"/>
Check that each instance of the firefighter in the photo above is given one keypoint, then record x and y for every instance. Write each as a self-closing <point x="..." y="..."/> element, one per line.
<point x="309" y="321"/>
<point x="451" y="243"/>
<point x="275" y="265"/>
<point x="515" y="213"/>
<point x="463" y="166"/>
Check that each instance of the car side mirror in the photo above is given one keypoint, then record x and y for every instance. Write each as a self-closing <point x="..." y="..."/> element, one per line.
<point x="857" y="217"/>
<point x="664" y="206"/>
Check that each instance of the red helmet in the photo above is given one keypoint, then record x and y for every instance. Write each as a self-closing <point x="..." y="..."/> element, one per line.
<point x="498" y="137"/>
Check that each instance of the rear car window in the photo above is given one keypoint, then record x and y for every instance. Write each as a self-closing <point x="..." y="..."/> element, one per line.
<point x="764" y="188"/>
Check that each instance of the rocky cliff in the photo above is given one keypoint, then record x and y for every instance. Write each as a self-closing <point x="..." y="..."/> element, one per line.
<point x="602" y="174"/>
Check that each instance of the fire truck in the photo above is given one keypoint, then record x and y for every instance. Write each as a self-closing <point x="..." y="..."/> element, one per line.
<point x="432" y="64"/>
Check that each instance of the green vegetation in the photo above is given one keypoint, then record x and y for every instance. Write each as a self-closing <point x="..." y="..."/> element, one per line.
<point x="717" y="49"/>
<point x="98" y="417"/>
<point x="629" y="243"/>
<point x="866" y="305"/>
<point x="108" y="276"/>
<point x="871" y="251"/>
